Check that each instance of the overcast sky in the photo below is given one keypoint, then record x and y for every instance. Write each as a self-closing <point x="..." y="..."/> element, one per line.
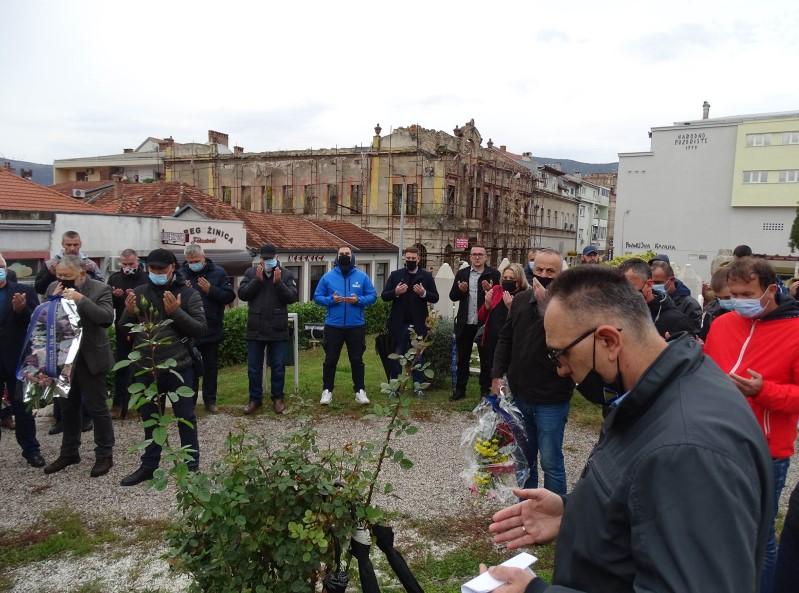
<point x="580" y="80"/>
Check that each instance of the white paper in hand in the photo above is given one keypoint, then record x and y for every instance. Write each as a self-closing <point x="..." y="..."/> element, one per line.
<point x="485" y="583"/>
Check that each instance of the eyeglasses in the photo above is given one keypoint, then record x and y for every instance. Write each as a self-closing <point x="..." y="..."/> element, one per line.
<point x="554" y="355"/>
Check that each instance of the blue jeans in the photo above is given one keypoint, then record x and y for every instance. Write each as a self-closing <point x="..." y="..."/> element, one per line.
<point x="770" y="559"/>
<point x="276" y="357"/>
<point x="183" y="408"/>
<point x="403" y="344"/>
<point x="545" y="425"/>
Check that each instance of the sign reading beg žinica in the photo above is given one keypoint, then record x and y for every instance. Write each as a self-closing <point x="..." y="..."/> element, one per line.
<point x="210" y="234"/>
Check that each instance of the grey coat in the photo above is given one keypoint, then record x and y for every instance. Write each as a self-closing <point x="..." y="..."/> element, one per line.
<point x="96" y="310"/>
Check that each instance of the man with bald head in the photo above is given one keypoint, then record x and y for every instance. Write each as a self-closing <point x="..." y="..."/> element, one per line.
<point x="676" y="495"/>
<point x="95" y="306"/>
<point x="539" y="393"/>
<point x="17" y="302"/>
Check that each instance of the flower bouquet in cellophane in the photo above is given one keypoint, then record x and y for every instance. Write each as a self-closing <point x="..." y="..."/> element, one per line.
<point x="49" y="352"/>
<point x="494" y="450"/>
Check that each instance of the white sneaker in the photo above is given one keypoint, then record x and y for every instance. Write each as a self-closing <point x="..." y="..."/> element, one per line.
<point x="327" y="397"/>
<point x="360" y="397"/>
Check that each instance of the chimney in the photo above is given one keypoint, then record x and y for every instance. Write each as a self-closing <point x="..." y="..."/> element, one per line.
<point x="705" y="110"/>
<point x="503" y="148"/>
<point x="165" y="143"/>
<point x="127" y="150"/>
<point x="238" y="150"/>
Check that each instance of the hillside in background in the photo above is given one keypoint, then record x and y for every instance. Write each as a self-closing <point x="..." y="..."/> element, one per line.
<point x="569" y="166"/>
<point x="42" y="174"/>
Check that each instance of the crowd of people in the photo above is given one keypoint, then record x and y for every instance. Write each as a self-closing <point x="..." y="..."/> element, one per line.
<point x="700" y="401"/>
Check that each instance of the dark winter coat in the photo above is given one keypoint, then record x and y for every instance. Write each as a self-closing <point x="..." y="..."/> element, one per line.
<point x="14" y="326"/>
<point x="268" y="316"/>
<point x="220" y="294"/>
<point x="677" y="493"/>
<point x="521" y="352"/>
<point x="125" y="282"/>
<point x="669" y="319"/>
<point x="409" y="307"/>
<point x="188" y="321"/>
<point x="687" y="304"/>
<point x="462" y="298"/>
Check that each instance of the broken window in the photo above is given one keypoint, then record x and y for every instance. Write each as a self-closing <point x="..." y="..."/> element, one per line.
<point x="356" y="200"/>
<point x="332" y="198"/>
<point x="412" y="205"/>
<point x="246" y="197"/>
<point x="451" y="200"/>
<point x="268" y="199"/>
<point x="288" y="199"/>
<point x="310" y="200"/>
<point x="396" y="199"/>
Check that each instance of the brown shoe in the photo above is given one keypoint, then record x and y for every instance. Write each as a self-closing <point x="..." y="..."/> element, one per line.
<point x="212" y="409"/>
<point x="251" y="406"/>
<point x="279" y="405"/>
<point x="116" y="413"/>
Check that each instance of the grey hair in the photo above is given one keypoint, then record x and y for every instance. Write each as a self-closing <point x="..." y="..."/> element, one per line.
<point x="638" y="267"/>
<point x="72" y="261"/>
<point x="193" y="249"/>
<point x="666" y="267"/>
<point x="128" y="253"/>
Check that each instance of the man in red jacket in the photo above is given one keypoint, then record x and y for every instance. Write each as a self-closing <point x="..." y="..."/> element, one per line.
<point x="758" y="347"/>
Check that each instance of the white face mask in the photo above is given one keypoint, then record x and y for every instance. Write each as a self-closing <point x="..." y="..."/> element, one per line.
<point x="749" y="308"/>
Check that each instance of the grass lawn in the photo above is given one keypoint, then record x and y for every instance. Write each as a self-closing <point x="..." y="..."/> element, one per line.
<point x="232" y="390"/>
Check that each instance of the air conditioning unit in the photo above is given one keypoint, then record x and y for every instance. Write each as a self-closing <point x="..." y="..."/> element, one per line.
<point x="78" y="193"/>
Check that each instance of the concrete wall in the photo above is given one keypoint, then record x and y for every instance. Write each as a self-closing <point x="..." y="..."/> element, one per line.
<point x="105" y="236"/>
<point x="678" y="196"/>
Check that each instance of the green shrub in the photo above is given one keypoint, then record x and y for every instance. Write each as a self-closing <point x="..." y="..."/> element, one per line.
<point x="376" y="316"/>
<point x="439" y="353"/>
<point x="307" y="313"/>
<point x="646" y="256"/>
<point x="233" y="349"/>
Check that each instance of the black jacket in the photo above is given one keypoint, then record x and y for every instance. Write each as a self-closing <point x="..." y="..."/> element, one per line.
<point x="125" y="282"/>
<point x="677" y="493"/>
<point x="409" y="307"/>
<point x="712" y="311"/>
<point x="267" y="318"/>
<point x="669" y="319"/>
<point x="687" y="304"/>
<point x="13" y="328"/>
<point x="220" y="294"/>
<point x="462" y="298"/>
<point x="188" y="321"/>
<point x="521" y="352"/>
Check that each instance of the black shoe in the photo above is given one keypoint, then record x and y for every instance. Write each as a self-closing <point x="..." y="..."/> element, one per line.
<point x="140" y="475"/>
<point x="57" y="428"/>
<point x="61" y="463"/>
<point x="101" y="466"/>
<point x="457" y="395"/>
<point x="35" y="460"/>
<point x="87" y="426"/>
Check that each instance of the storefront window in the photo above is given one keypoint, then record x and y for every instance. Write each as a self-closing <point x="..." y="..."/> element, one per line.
<point x="381" y="272"/>
<point x="296" y="271"/>
<point x="317" y="271"/>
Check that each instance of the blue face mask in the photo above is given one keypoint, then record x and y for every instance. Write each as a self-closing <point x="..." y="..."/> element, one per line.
<point x="196" y="266"/>
<point x="726" y="304"/>
<point x="749" y="308"/>
<point x="2" y="274"/>
<point x="270" y="264"/>
<point x="661" y="288"/>
<point x="159" y="279"/>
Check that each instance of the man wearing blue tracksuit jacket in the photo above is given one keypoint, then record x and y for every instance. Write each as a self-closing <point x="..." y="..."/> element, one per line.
<point x="346" y="291"/>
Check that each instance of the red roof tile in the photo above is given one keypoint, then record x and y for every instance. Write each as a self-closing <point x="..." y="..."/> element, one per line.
<point x="356" y="236"/>
<point x="21" y="194"/>
<point x="284" y="231"/>
<point x="89" y="186"/>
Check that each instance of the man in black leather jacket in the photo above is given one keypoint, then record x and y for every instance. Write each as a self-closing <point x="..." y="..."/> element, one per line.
<point x="676" y="495"/>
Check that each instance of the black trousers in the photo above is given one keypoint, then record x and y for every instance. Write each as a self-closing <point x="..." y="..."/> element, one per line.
<point x="335" y="338"/>
<point x="210" y="354"/>
<point x="90" y="390"/>
<point x="464" y="340"/>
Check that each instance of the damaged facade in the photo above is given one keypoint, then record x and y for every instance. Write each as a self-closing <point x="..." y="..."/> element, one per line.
<point x="441" y="192"/>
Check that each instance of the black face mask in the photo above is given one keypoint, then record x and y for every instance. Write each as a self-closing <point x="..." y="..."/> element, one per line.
<point x="545" y="282"/>
<point x="509" y="285"/>
<point x="593" y="386"/>
<point x="345" y="261"/>
<point x="411" y="265"/>
<point x="67" y="283"/>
